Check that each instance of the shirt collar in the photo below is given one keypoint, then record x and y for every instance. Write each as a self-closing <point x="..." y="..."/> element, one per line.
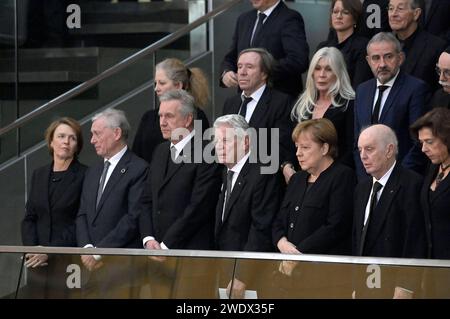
<point x="181" y="144"/>
<point x="257" y="94"/>
<point x="383" y="180"/>
<point x="270" y="10"/>
<point x="389" y="83"/>
<point x="116" y="158"/>
<point x="238" y="166"/>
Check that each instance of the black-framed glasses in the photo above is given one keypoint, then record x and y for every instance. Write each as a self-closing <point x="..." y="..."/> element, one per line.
<point x="445" y="72"/>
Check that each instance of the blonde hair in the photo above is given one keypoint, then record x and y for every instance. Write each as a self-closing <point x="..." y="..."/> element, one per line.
<point x="341" y="91"/>
<point x="192" y="80"/>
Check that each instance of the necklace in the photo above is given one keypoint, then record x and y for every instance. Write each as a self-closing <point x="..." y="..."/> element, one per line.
<point x="440" y="176"/>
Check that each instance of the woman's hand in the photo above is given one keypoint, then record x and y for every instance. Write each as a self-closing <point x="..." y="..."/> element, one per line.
<point x="36" y="260"/>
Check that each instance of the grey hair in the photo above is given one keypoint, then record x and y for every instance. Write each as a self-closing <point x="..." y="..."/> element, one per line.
<point x="115" y="119"/>
<point x="186" y="101"/>
<point x="385" y="136"/>
<point x="384" y="37"/>
<point x="266" y="63"/>
<point x="341" y="89"/>
<point x="235" y="121"/>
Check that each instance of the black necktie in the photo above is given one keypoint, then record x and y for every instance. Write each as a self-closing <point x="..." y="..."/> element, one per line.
<point x="261" y="17"/>
<point x="243" y="108"/>
<point x="228" y="194"/>
<point x="373" y="203"/>
<point x="376" y="109"/>
<point x="102" y="182"/>
<point x="170" y="162"/>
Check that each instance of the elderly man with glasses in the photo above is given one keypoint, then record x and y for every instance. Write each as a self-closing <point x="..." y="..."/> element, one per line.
<point x="441" y="97"/>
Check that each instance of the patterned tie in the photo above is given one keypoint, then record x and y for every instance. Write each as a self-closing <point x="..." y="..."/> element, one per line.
<point x="373" y="203"/>
<point x="376" y="109"/>
<point x="102" y="182"/>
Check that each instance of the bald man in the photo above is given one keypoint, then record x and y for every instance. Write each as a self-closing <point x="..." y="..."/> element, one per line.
<point x="441" y="97"/>
<point x="387" y="217"/>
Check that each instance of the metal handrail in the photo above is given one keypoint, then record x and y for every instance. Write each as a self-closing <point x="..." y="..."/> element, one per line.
<point x="228" y="254"/>
<point x="118" y="67"/>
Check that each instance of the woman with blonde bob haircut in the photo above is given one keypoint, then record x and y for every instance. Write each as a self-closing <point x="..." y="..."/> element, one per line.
<point x="328" y="94"/>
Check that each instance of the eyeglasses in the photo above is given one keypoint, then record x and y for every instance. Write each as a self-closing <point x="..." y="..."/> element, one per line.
<point x="399" y="9"/>
<point x="445" y="72"/>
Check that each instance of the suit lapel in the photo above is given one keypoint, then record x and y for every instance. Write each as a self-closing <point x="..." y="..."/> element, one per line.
<point x="237" y="189"/>
<point x="45" y="186"/>
<point x="261" y="108"/>
<point x="361" y="210"/>
<point x="119" y="171"/>
<point x="443" y="187"/>
<point x="219" y="207"/>
<point x="174" y="167"/>
<point x="381" y="210"/>
<point x="395" y="90"/>
<point x="368" y="103"/>
<point x="249" y="30"/>
<point x="266" y="26"/>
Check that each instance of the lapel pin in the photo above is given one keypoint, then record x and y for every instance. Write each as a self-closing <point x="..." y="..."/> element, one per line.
<point x="123" y="170"/>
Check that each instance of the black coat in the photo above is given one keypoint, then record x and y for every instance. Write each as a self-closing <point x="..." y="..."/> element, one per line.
<point x="283" y="35"/>
<point x="180" y="205"/>
<point x="318" y="221"/>
<point x="253" y="204"/>
<point x="440" y="99"/>
<point x="396" y="228"/>
<point x="53" y="224"/>
<point x="436" y="208"/>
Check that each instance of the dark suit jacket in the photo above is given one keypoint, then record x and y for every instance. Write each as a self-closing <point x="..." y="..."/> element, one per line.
<point x="283" y="35"/>
<point x="254" y="202"/>
<point x="318" y="221"/>
<point x="179" y="206"/>
<point x="43" y="225"/>
<point x="406" y="102"/>
<point x="114" y="224"/>
<point x="396" y="227"/>
<point x="272" y="111"/>
<point x="436" y="208"/>
<point x="437" y="21"/>
<point x="440" y="99"/>
<point x="148" y="134"/>
<point x="354" y="51"/>
<point x="422" y="56"/>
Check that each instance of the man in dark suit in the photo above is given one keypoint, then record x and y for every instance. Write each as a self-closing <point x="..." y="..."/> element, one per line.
<point x="182" y="188"/>
<point x="280" y="31"/>
<point x="260" y="105"/>
<point x="401" y="102"/>
<point x="421" y="48"/>
<point x="441" y="97"/>
<point x="249" y="199"/>
<point x="110" y="200"/>
<point x="387" y="220"/>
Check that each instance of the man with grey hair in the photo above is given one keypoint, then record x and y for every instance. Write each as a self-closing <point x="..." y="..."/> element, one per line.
<point x="387" y="219"/>
<point x="249" y="199"/>
<point x="110" y="201"/>
<point x="182" y="188"/>
<point x="392" y="98"/>
<point x="421" y="48"/>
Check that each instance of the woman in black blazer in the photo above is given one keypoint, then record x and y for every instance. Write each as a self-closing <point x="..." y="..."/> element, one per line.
<point x="54" y="200"/>
<point x="433" y="132"/>
<point x="316" y="212"/>
<point x="344" y="18"/>
<point x="170" y="74"/>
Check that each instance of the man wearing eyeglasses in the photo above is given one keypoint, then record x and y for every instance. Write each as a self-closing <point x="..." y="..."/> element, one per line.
<point x="393" y="98"/>
<point x="421" y="48"/>
<point x="441" y="97"/>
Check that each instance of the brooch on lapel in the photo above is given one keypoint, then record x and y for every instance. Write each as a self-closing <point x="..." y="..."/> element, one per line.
<point x="123" y="170"/>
